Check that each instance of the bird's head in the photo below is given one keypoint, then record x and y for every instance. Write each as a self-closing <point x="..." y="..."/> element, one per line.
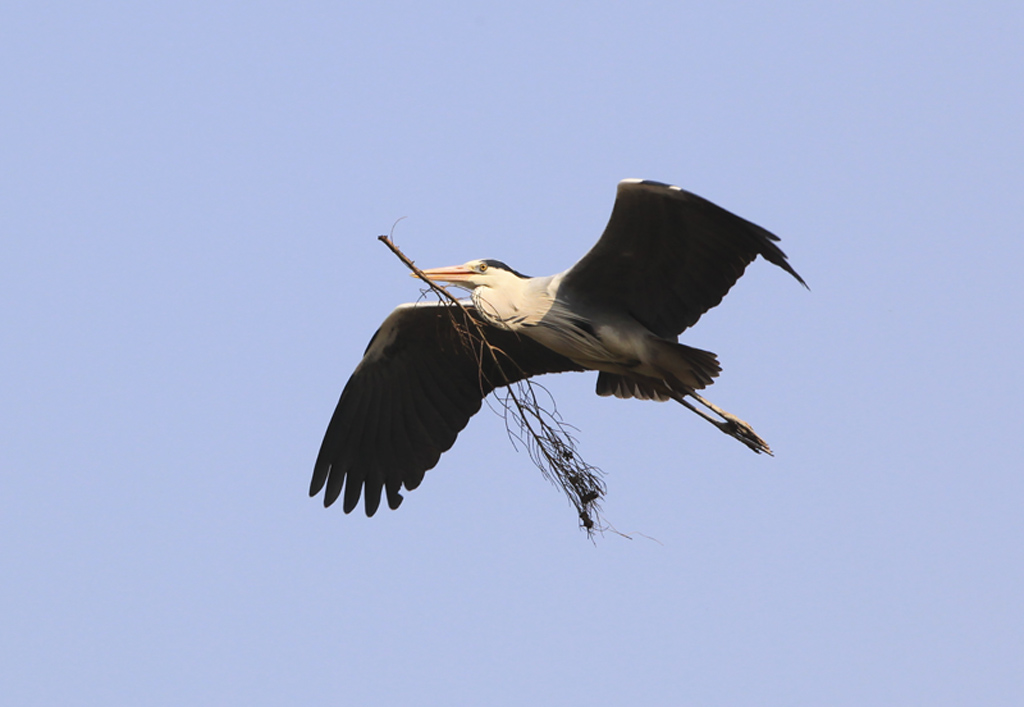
<point x="477" y="273"/>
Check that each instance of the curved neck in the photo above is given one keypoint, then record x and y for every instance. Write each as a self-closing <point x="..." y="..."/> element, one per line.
<point x="513" y="301"/>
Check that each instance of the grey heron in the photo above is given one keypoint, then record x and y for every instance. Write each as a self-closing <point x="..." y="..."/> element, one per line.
<point x="665" y="258"/>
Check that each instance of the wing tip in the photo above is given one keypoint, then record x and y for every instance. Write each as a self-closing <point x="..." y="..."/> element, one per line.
<point x="775" y="256"/>
<point x="316" y="484"/>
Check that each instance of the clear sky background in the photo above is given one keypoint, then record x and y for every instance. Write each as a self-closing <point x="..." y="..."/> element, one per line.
<point x="189" y="199"/>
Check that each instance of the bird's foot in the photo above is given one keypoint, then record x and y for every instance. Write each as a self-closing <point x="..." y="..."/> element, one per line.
<point x="738" y="429"/>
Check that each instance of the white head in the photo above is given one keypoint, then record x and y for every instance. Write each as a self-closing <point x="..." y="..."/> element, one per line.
<point x="499" y="292"/>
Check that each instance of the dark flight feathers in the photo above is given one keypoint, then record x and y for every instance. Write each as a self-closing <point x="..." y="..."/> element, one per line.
<point x="414" y="391"/>
<point x="668" y="256"/>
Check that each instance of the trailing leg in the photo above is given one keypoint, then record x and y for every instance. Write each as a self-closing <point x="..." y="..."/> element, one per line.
<point x="729" y="423"/>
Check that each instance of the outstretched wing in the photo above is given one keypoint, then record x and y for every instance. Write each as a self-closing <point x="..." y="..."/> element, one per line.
<point x="417" y="386"/>
<point x="667" y="256"/>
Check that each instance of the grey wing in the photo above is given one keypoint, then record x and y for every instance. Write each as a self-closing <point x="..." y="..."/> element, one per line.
<point x="414" y="391"/>
<point x="668" y="256"/>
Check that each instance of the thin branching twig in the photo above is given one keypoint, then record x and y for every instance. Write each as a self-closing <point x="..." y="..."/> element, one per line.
<point x="546" y="436"/>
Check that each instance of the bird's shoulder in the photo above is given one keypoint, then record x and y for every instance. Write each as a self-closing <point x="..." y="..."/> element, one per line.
<point x="414" y="325"/>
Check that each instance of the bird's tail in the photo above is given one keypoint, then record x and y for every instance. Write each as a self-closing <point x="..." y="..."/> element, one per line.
<point x="683" y="369"/>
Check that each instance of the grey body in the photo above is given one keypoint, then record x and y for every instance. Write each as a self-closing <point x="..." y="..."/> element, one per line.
<point x="665" y="258"/>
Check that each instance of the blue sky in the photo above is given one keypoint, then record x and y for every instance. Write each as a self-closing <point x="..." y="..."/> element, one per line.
<point x="189" y="201"/>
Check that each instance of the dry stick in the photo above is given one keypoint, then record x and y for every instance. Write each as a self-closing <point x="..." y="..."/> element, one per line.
<point x="554" y="445"/>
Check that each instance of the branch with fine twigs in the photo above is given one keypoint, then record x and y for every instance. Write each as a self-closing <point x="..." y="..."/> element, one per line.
<point x="547" y="438"/>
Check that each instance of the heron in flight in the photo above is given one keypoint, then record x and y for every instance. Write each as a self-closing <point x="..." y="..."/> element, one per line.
<point x="666" y="257"/>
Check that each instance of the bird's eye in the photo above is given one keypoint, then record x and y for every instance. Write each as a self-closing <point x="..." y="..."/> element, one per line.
<point x="482" y="267"/>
